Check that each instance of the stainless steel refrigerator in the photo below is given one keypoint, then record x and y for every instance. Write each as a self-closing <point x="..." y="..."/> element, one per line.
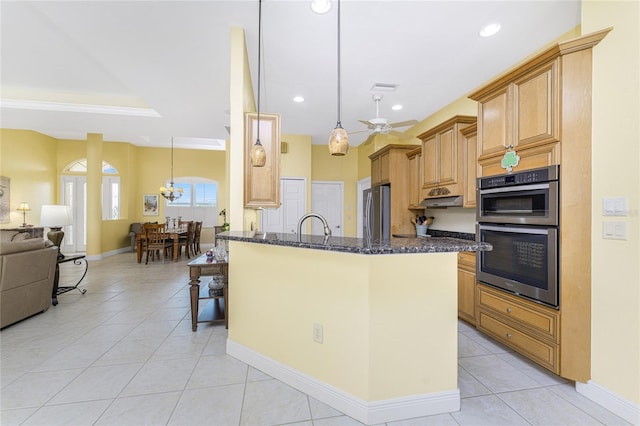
<point x="377" y="212"/>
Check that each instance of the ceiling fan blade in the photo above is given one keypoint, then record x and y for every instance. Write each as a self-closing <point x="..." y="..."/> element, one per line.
<point x="358" y="131"/>
<point x="367" y="123"/>
<point x="404" y="123"/>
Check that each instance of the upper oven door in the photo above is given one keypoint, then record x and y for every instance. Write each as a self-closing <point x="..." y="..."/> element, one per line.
<point x="535" y="204"/>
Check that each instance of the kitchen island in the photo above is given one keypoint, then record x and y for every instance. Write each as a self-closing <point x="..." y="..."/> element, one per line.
<point x="366" y="327"/>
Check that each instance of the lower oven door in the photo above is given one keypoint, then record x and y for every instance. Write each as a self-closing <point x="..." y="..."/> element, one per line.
<point x="524" y="260"/>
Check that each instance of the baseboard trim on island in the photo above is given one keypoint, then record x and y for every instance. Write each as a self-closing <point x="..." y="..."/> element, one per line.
<point x="365" y="412"/>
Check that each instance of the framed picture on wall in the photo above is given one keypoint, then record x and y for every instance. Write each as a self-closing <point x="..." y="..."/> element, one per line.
<point x="4" y="200"/>
<point x="150" y="205"/>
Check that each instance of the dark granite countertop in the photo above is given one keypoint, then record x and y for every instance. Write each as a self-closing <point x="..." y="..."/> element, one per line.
<point x="430" y="244"/>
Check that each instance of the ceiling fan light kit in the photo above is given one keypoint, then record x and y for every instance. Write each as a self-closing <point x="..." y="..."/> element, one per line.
<point x="338" y="139"/>
<point x="258" y="155"/>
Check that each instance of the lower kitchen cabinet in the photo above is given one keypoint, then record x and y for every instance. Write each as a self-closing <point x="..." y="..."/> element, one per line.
<point x="467" y="287"/>
<point x="529" y="328"/>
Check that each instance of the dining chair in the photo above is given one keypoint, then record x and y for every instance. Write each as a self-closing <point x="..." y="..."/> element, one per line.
<point x="186" y="241"/>
<point x="196" y="238"/>
<point x="157" y="240"/>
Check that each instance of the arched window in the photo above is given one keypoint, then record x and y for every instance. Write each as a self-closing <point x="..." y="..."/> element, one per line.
<point x="199" y="201"/>
<point x="110" y="186"/>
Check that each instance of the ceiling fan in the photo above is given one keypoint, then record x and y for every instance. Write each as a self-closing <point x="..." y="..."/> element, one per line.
<point x="381" y="125"/>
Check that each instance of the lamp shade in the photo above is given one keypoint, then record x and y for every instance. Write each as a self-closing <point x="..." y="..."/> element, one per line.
<point x="24" y="207"/>
<point x="55" y="216"/>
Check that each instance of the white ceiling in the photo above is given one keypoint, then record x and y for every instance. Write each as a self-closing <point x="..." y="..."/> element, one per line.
<point x="172" y="57"/>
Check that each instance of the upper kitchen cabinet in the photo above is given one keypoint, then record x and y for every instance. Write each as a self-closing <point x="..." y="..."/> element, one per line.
<point x="524" y="111"/>
<point x="262" y="184"/>
<point x="414" y="168"/>
<point x="443" y="158"/>
<point x="389" y="166"/>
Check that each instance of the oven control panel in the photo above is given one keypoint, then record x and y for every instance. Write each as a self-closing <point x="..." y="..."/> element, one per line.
<point x="545" y="174"/>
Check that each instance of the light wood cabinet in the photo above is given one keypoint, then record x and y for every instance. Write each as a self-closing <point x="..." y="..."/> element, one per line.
<point x="467" y="287"/>
<point x="442" y="158"/>
<point x="529" y="327"/>
<point x="470" y="165"/>
<point x="543" y="108"/>
<point x="414" y="168"/>
<point x="520" y="115"/>
<point x="262" y="184"/>
<point x="389" y="166"/>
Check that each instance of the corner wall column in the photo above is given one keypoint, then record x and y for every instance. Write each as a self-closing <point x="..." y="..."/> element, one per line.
<point x="94" y="194"/>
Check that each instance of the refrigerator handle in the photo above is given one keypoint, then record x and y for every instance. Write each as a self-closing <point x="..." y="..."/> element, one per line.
<point x="367" y="219"/>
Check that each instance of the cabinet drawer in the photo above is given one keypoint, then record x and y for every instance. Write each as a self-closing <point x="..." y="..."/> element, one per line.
<point x="545" y="354"/>
<point x="467" y="261"/>
<point x="538" y="319"/>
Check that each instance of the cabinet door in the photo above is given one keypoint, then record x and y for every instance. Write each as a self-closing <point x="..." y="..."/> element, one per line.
<point x="466" y="296"/>
<point x="429" y="162"/>
<point x="447" y="172"/>
<point x="494" y="123"/>
<point x="385" y="167"/>
<point x="537" y="106"/>
<point x="531" y="158"/>
<point x="262" y="184"/>
<point x="375" y="171"/>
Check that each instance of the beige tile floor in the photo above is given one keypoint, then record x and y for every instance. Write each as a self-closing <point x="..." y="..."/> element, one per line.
<point x="124" y="354"/>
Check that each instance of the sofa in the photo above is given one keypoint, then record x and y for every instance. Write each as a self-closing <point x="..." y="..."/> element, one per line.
<point x="27" y="273"/>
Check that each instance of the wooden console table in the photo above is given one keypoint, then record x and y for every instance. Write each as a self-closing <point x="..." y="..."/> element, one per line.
<point x="77" y="260"/>
<point x="217" y="308"/>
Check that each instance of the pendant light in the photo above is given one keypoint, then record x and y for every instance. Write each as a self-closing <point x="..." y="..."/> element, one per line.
<point x="338" y="140"/>
<point x="258" y="154"/>
<point x="171" y="193"/>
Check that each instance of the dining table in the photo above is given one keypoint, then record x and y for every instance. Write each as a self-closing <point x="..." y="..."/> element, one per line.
<point x="173" y="234"/>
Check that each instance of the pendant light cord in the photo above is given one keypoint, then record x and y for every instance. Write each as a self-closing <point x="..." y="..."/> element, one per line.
<point x="172" y="161"/>
<point x="339" y="124"/>
<point x="259" y="54"/>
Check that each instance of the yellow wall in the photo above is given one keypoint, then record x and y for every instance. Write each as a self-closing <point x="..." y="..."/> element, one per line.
<point x="371" y="309"/>
<point x="615" y="314"/>
<point x="34" y="162"/>
<point x="28" y="158"/>
<point x="325" y="167"/>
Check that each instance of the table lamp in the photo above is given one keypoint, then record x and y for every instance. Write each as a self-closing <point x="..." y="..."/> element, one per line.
<point x="55" y="217"/>
<point x="24" y="208"/>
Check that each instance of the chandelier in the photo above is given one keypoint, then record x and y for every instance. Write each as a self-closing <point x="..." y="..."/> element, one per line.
<point x="170" y="193"/>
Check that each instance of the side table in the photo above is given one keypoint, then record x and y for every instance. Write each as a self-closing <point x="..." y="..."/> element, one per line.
<point x="218" y="307"/>
<point x="77" y="260"/>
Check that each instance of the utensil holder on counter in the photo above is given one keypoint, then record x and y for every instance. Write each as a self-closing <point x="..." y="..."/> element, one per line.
<point x="421" y="230"/>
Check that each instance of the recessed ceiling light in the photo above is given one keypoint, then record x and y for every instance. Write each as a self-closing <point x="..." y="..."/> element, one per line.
<point x="298" y="99"/>
<point x="320" y="6"/>
<point x="490" y="30"/>
<point x="396" y="107"/>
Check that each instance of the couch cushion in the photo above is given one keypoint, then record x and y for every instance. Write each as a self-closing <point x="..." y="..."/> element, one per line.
<point x="20" y="236"/>
<point x="20" y="246"/>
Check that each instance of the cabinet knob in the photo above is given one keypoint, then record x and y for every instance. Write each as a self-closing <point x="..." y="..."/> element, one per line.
<point x="508" y="335"/>
<point x="508" y="310"/>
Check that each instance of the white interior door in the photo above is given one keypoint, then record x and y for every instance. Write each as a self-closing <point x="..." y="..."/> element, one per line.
<point x="74" y="195"/>
<point x="293" y="204"/>
<point x="326" y="200"/>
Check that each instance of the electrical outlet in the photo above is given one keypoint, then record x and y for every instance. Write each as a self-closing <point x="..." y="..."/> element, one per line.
<point x="317" y="333"/>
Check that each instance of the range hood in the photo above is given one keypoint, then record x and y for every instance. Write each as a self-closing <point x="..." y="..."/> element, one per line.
<point x="455" y="201"/>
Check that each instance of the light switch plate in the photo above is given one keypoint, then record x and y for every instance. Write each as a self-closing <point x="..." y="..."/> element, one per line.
<point x="614" y="230"/>
<point x="614" y="206"/>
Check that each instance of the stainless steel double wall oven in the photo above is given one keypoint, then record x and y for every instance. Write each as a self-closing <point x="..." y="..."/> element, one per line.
<point x="518" y="213"/>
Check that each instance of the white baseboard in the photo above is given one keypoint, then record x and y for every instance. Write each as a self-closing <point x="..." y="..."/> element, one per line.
<point x="609" y="400"/>
<point x="366" y="412"/>
<point x="109" y="253"/>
